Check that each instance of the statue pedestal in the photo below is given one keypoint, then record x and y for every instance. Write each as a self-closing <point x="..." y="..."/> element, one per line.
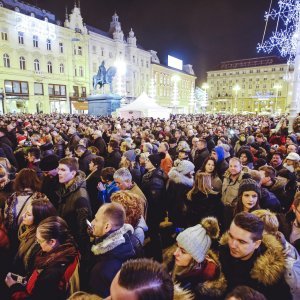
<point x="103" y="105"/>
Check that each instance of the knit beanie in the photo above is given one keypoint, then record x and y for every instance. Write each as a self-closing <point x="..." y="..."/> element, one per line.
<point x="185" y="167"/>
<point x="220" y="153"/>
<point x="196" y="240"/>
<point x="49" y="163"/>
<point x="130" y="155"/>
<point x="249" y="184"/>
<point x="156" y="159"/>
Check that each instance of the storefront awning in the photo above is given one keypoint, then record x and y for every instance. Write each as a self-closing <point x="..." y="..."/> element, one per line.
<point x="80" y="105"/>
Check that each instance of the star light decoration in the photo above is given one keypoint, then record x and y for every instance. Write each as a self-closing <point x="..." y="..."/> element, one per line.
<point x="286" y="38"/>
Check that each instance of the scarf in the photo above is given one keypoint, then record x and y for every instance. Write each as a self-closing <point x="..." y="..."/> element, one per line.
<point x="112" y="241"/>
<point x="64" y="254"/>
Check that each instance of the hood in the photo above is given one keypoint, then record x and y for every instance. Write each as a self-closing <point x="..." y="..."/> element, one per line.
<point x="279" y="184"/>
<point x="220" y="152"/>
<point x="269" y="266"/>
<point x="181" y="294"/>
<point x="177" y="177"/>
<point x="113" y="240"/>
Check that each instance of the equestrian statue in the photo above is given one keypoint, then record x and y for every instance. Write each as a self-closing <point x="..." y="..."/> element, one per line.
<point x="104" y="76"/>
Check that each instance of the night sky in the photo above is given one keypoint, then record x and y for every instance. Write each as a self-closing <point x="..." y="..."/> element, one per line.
<point x="200" y="32"/>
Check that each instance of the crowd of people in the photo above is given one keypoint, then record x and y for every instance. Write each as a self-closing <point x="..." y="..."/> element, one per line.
<point x="193" y="207"/>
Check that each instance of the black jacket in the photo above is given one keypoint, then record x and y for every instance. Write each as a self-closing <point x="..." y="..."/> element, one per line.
<point x="100" y="144"/>
<point x="113" y="159"/>
<point x="106" y="265"/>
<point x="74" y="207"/>
<point x="91" y="186"/>
<point x="50" y="187"/>
<point x="200" y="157"/>
<point x="85" y="160"/>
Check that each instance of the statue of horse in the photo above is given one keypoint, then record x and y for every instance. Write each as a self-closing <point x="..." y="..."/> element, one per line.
<point x="104" y="76"/>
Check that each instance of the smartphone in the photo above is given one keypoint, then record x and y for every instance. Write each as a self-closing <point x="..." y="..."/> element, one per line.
<point x="18" y="278"/>
<point x="89" y="224"/>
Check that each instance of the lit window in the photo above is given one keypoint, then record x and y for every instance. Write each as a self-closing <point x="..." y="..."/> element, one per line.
<point x="80" y="71"/>
<point x="79" y="50"/>
<point x="22" y="63"/>
<point x="49" y="66"/>
<point x="6" y="60"/>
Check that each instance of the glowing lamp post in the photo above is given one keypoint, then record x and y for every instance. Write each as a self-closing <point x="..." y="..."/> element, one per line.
<point x="277" y="87"/>
<point x="175" y="79"/>
<point x="121" y="71"/>
<point x="236" y="89"/>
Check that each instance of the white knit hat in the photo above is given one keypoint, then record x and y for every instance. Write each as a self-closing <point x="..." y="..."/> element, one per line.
<point x="185" y="167"/>
<point x="195" y="241"/>
<point x="293" y="156"/>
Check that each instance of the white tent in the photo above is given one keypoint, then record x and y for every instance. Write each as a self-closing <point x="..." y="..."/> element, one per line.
<point x="143" y="106"/>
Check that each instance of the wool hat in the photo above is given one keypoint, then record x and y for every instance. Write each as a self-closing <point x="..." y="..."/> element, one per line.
<point x="185" y="167"/>
<point x="249" y="184"/>
<point x="293" y="156"/>
<point x="156" y="159"/>
<point x="196" y="240"/>
<point x="220" y="153"/>
<point x="293" y="137"/>
<point x="49" y="163"/>
<point x="130" y="155"/>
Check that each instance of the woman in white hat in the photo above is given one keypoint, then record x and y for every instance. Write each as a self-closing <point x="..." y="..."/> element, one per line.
<point x="196" y="266"/>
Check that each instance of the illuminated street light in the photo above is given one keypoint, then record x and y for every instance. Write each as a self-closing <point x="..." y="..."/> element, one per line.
<point x="236" y="88"/>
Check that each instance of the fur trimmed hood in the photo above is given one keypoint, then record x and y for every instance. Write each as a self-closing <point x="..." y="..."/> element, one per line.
<point x="181" y="294"/>
<point x="177" y="177"/>
<point x="269" y="267"/>
<point x="112" y="241"/>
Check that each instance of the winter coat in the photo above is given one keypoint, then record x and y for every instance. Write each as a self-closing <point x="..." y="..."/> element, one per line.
<point x="269" y="201"/>
<point x="200" y="157"/>
<point x="84" y="161"/>
<point x="100" y="144"/>
<point x="110" y="253"/>
<point x="278" y="189"/>
<point x="202" y="206"/>
<point x="113" y="159"/>
<point x="166" y="164"/>
<point x="104" y="196"/>
<point x="221" y="167"/>
<point x="140" y="229"/>
<point x="91" y="185"/>
<point x="153" y="187"/>
<point x="230" y="189"/>
<point x="210" y="143"/>
<point x="56" y="281"/>
<point x="59" y="149"/>
<point x="74" y="207"/>
<point x="9" y="154"/>
<point x="177" y="189"/>
<point x="50" y="187"/>
<point x="73" y="141"/>
<point x="205" y="280"/>
<point x="264" y="271"/>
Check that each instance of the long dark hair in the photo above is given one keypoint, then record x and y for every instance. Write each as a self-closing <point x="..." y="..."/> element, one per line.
<point x="240" y="206"/>
<point x="27" y="179"/>
<point x="214" y="173"/>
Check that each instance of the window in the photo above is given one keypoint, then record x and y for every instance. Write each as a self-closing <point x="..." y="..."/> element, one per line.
<point x="22" y="63"/>
<point x="49" y="45"/>
<point x="4" y="36"/>
<point x="83" y="91"/>
<point x="6" y="60"/>
<point x="102" y="52"/>
<point x="80" y="71"/>
<point x="61" y="68"/>
<point x="61" y="47"/>
<point x="38" y="88"/>
<point x="21" y="37"/>
<point x="79" y="50"/>
<point x="74" y="50"/>
<point x="49" y="66"/>
<point x="36" y="65"/>
<point x="75" y="72"/>
<point x="56" y="90"/>
<point x="94" y="49"/>
<point x="35" y="41"/>
<point x="16" y="87"/>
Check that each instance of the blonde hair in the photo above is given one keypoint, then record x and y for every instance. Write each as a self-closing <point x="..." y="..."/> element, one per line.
<point x="84" y="296"/>
<point x="270" y="220"/>
<point x="203" y="184"/>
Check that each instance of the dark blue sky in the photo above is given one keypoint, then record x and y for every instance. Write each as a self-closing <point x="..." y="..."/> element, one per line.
<point x="200" y="32"/>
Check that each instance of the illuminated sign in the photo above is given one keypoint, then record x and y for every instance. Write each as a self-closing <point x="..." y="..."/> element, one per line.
<point x="174" y="62"/>
<point x="35" y="27"/>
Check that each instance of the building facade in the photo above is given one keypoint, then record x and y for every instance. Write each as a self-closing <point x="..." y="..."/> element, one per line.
<point x="48" y="66"/>
<point x="257" y="85"/>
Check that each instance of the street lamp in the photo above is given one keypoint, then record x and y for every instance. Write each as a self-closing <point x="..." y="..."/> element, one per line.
<point x="121" y="71"/>
<point x="277" y="87"/>
<point x="236" y="88"/>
